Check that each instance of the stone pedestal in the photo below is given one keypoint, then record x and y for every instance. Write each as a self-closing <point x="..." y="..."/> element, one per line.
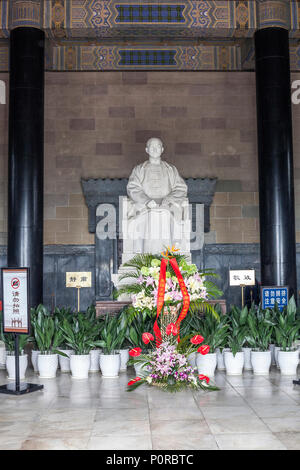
<point x="113" y="307"/>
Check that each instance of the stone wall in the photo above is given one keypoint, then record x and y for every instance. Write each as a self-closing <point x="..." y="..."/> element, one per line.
<point x="96" y="125"/>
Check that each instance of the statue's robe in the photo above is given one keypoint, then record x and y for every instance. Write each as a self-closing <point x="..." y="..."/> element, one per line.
<point x="154" y="229"/>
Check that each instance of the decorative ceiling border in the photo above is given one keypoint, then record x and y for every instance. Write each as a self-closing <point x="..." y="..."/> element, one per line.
<point x="113" y="18"/>
<point x="117" y="57"/>
<point x="103" y="58"/>
<point x="72" y="19"/>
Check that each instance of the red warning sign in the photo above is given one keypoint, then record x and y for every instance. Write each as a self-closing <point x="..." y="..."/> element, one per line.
<point x="15" y="283"/>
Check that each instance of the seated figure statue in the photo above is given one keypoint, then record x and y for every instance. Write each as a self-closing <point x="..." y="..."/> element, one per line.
<point x="155" y="214"/>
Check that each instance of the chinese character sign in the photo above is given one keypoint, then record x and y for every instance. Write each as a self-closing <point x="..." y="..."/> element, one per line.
<point x="15" y="300"/>
<point x="79" y="279"/>
<point x="242" y="277"/>
<point x="272" y="295"/>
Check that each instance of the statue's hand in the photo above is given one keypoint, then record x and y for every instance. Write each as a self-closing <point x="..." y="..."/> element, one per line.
<point x="152" y="204"/>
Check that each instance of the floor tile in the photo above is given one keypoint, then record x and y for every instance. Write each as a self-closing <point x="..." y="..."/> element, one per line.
<point x="203" y="441"/>
<point x="236" y="424"/>
<point x="175" y="427"/>
<point x="248" y="441"/>
<point x="167" y="414"/>
<point x="120" y="443"/>
<point x="290" y="439"/>
<point x="120" y="427"/>
<point x="129" y="414"/>
<point x="55" y="444"/>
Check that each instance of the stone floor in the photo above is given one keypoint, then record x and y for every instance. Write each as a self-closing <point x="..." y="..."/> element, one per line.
<point x="247" y="413"/>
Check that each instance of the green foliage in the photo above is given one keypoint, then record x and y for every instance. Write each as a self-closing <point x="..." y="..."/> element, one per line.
<point x="46" y="331"/>
<point x="261" y="326"/>
<point x="139" y="325"/>
<point x="214" y="330"/>
<point x="80" y="333"/>
<point x="287" y="327"/>
<point x="113" y="333"/>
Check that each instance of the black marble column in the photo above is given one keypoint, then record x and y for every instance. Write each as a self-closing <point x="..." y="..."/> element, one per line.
<point x="275" y="158"/>
<point x="25" y="166"/>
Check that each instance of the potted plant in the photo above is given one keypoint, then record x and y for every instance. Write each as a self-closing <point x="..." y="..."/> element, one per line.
<point x="260" y="333"/>
<point x="95" y="351"/>
<point x="234" y="358"/>
<point x="9" y="342"/>
<point x="238" y="320"/>
<point x="287" y="333"/>
<point x="34" y="348"/>
<point x="124" y="345"/>
<point x="215" y="333"/>
<point x="48" y="337"/>
<point x="112" y="337"/>
<point x="63" y="359"/>
<point x="273" y="347"/>
<point x="79" y="335"/>
<point x="139" y="325"/>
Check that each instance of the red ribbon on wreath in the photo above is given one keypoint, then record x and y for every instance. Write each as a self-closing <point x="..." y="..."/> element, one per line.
<point x="161" y="294"/>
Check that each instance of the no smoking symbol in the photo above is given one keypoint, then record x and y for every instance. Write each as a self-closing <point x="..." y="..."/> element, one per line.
<point x="15" y="283"/>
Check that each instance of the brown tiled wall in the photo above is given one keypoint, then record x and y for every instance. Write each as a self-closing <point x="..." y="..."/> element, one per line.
<point x="96" y="125"/>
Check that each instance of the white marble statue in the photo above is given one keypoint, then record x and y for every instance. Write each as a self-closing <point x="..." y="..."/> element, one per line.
<point x="155" y="214"/>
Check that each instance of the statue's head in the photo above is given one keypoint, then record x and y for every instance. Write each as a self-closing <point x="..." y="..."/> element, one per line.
<point x="154" y="148"/>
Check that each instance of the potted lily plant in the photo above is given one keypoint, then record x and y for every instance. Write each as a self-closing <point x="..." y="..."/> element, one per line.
<point x="112" y="336"/>
<point x="48" y="338"/>
<point x="287" y="333"/>
<point x="9" y="342"/>
<point x="79" y="335"/>
<point x="34" y="347"/>
<point x="234" y="358"/>
<point x="260" y="333"/>
<point x="238" y="320"/>
<point x="134" y="335"/>
<point x="215" y="332"/>
<point x="62" y="313"/>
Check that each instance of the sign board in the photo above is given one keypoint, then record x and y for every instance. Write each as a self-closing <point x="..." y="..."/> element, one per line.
<point x="242" y="277"/>
<point x="270" y="295"/>
<point x="15" y="288"/>
<point x="79" y="279"/>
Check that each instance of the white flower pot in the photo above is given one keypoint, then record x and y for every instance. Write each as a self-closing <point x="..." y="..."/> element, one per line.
<point x="192" y="359"/>
<point x="34" y="356"/>
<point x="80" y="366"/>
<point x="47" y="365"/>
<point x="272" y="349"/>
<point x="207" y="364"/>
<point x="261" y="362"/>
<point x="276" y="351"/>
<point x="247" y="358"/>
<point x="95" y="357"/>
<point x="234" y="364"/>
<point x="64" y="362"/>
<point x="2" y="355"/>
<point x="11" y="364"/>
<point x="288" y="362"/>
<point x="110" y="365"/>
<point x="220" y="358"/>
<point x="124" y="358"/>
